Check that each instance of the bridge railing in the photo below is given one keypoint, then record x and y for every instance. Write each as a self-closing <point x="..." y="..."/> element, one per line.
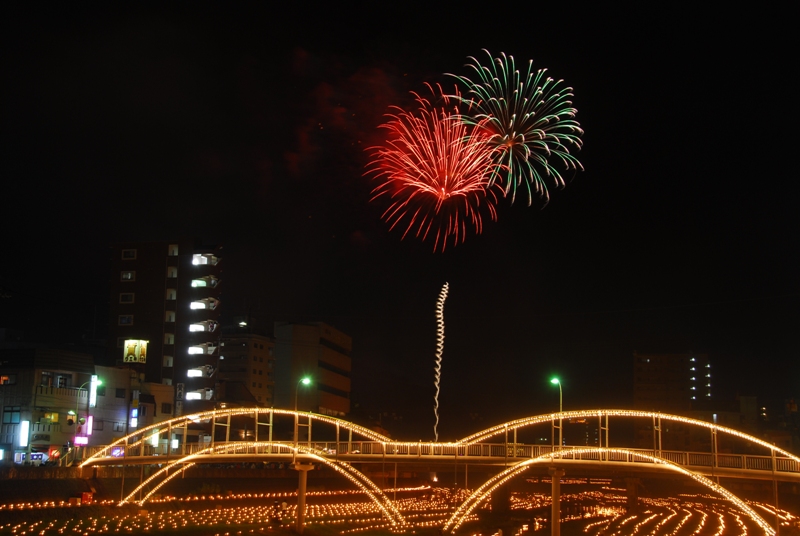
<point x="494" y="452"/>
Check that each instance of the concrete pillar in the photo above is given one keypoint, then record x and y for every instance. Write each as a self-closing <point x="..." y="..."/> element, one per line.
<point x="501" y="500"/>
<point x="555" y="512"/>
<point x="632" y="493"/>
<point x="302" y="469"/>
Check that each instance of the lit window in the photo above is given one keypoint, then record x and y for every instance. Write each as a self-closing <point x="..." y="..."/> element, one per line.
<point x="127" y="276"/>
<point x="204" y="258"/>
<point x="169" y="338"/>
<point x="194" y="373"/>
<point x="205" y="325"/>
<point x="167" y="360"/>
<point x="125" y="320"/>
<point x="205" y="303"/>
<point x="193" y="396"/>
<point x="127" y="297"/>
<point x="128" y="254"/>
<point x="8" y="379"/>
<point x="172" y="271"/>
<point x="172" y="250"/>
<point x="172" y="294"/>
<point x="169" y="316"/>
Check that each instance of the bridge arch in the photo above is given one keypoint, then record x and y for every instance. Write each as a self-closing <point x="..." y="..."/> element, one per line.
<point x="484" y="491"/>
<point x="140" y="435"/>
<point x="179" y="466"/>
<point x="509" y="426"/>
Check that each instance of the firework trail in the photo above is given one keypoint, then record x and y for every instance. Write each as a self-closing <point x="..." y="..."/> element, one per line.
<point x="530" y="121"/>
<point x="435" y="170"/>
<point x="439" y="350"/>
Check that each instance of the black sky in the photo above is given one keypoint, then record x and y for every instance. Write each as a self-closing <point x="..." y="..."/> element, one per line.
<point x="242" y="126"/>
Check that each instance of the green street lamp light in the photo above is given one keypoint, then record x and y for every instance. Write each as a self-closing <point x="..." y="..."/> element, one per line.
<point x="305" y="380"/>
<point x="556" y="381"/>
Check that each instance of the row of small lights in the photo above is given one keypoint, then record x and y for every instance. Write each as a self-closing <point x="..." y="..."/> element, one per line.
<point x="163" y="521"/>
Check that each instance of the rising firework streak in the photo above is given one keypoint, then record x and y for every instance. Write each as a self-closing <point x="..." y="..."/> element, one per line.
<point x="439" y="350"/>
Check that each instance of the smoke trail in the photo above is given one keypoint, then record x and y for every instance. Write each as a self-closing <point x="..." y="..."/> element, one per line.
<point x="439" y="350"/>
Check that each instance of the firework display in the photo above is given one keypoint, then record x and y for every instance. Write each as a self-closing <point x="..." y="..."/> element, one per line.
<point x="529" y="119"/>
<point x="445" y="163"/>
<point x="435" y="171"/>
<point x="439" y="350"/>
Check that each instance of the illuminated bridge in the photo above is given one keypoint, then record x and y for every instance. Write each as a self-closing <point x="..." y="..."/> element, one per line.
<point x="258" y="434"/>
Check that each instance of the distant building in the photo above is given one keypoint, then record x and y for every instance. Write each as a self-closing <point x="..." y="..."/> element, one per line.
<point x="55" y="400"/>
<point x="246" y="368"/>
<point x="680" y="384"/>
<point x="168" y="294"/>
<point x="318" y="351"/>
<point x="672" y="383"/>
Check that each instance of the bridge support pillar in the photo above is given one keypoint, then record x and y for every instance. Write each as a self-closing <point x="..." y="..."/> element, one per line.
<point x="501" y="500"/>
<point x="632" y="493"/>
<point x="555" y="513"/>
<point x="302" y="469"/>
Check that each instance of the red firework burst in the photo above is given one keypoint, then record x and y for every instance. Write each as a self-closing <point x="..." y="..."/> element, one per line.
<point x="435" y="170"/>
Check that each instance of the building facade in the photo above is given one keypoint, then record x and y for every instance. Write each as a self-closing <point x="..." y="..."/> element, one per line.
<point x="319" y="352"/>
<point x="167" y="294"/>
<point x="55" y="401"/>
<point x="247" y="362"/>
<point x="680" y="384"/>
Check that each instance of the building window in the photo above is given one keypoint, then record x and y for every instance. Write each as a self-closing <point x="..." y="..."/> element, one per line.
<point x="97" y="424"/>
<point x="255" y="358"/>
<point x="254" y="384"/>
<point x="169" y="338"/>
<point x="101" y="390"/>
<point x="166" y="408"/>
<point x="172" y="250"/>
<point x="128" y="254"/>
<point x="11" y="414"/>
<point x="119" y="426"/>
<point x="127" y="297"/>
<point x="172" y="294"/>
<point x="172" y="271"/>
<point x="169" y="316"/>
<point x="125" y="320"/>
<point x="120" y="392"/>
<point x="8" y="379"/>
<point x="127" y="276"/>
<point x="167" y="360"/>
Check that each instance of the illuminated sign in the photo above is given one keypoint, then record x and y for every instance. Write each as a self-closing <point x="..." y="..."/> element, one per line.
<point x="134" y="351"/>
<point x="93" y="391"/>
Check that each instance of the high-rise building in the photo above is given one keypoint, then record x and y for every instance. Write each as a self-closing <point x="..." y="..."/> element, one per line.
<point x="671" y="383"/>
<point x="319" y="352"/>
<point x="247" y="362"/>
<point x="167" y="294"/>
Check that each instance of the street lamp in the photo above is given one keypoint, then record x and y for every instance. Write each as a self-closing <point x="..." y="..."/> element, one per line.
<point x="305" y="380"/>
<point x="556" y="381"/>
<point x="95" y="381"/>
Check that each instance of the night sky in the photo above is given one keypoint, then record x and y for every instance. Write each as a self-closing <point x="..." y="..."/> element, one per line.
<point x="241" y="127"/>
